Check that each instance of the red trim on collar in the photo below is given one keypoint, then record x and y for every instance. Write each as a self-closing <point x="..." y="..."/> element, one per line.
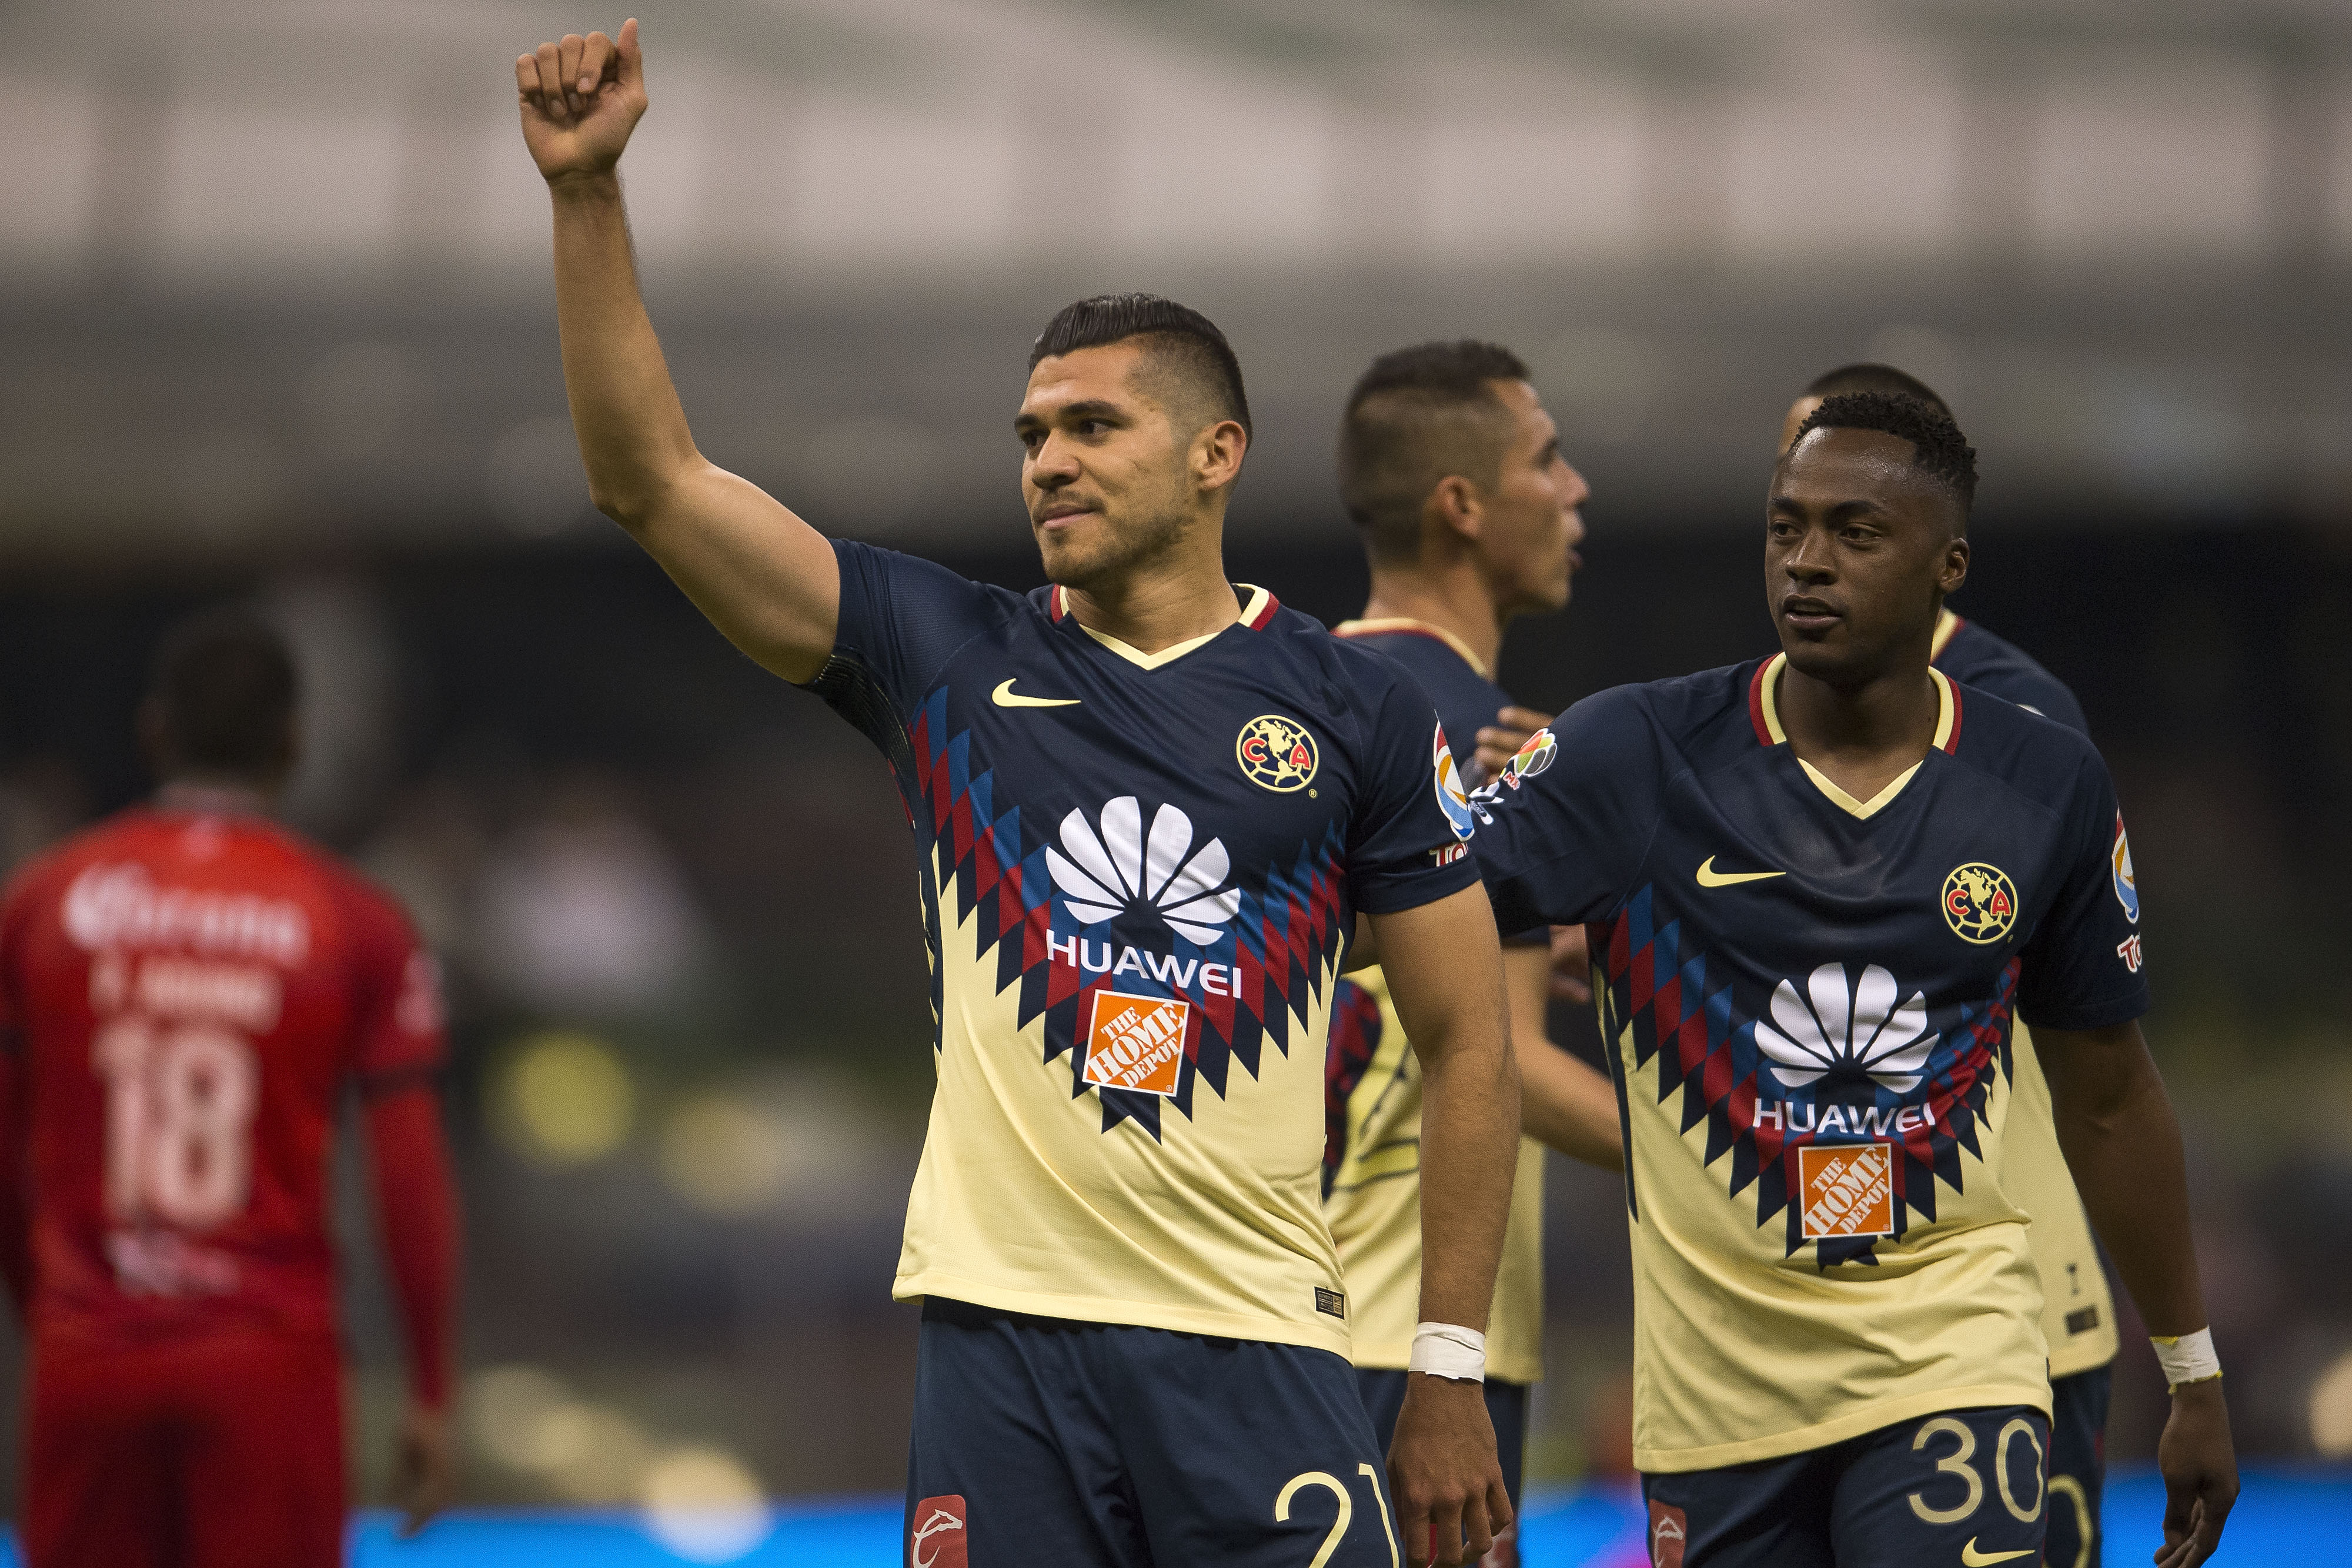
<point x="1266" y="614"/>
<point x="1058" y="605"/>
<point x="1755" y="704"/>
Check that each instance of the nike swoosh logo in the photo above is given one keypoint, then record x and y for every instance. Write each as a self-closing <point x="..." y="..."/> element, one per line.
<point x="1972" y="1558"/>
<point x="1710" y="877"/>
<point x="1003" y="697"/>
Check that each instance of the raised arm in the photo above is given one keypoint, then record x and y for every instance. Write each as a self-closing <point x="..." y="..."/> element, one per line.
<point x="1563" y="1104"/>
<point x="1444" y="972"/>
<point x="765" y="579"/>
<point x="2117" y="1127"/>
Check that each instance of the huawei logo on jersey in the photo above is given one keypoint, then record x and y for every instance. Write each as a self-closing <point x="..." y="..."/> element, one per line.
<point x="1101" y="875"/>
<point x="121" y="906"/>
<point x="1859" y="1027"/>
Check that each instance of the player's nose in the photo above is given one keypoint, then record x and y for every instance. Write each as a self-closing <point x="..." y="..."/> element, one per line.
<point x="1573" y="493"/>
<point x="1809" y="560"/>
<point x="1053" y="465"/>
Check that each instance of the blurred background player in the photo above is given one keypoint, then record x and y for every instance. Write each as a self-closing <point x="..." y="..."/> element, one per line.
<point x="1150" y="805"/>
<point x="2078" y="1314"/>
<point x="187" y="991"/>
<point x="1452" y="469"/>
<point x="1824" y="881"/>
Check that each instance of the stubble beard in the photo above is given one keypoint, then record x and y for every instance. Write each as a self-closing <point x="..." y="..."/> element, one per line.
<point x="1119" y="552"/>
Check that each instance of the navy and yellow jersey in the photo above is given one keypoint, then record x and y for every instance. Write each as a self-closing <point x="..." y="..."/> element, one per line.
<point x="2078" y="1312"/>
<point x="1139" y="872"/>
<point x="1371" y="1152"/>
<point x="1806" y="1000"/>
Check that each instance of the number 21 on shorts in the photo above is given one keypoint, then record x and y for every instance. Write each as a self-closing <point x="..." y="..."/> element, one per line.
<point x="1323" y="1481"/>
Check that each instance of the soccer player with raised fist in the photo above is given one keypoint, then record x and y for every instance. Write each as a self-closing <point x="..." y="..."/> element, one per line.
<point x="187" y="993"/>
<point x="1150" y="805"/>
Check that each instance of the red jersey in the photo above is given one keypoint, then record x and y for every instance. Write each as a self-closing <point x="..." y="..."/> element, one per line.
<point x="191" y="992"/>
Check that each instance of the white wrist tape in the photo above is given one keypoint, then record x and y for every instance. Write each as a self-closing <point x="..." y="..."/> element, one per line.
<point x="2186" y="1358"/>
<point x="1446" y="1349"/>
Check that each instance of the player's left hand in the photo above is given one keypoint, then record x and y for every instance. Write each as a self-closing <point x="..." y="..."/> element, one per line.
<point x="1500" y="741"/>
<point x="1444" y="1473"/>
<point x="2199" y="1466"/>
<point x="424" y="1472"/>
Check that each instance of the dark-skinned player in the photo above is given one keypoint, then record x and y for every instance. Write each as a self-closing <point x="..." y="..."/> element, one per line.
<point x="1451" y="471"/>
<point x="1820" y="889"/>
<point x="1150" y="805"/>
<point x="2078" y="1313"/>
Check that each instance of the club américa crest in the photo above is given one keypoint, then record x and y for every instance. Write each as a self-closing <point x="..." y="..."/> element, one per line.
<point x="1276" y="752"/>
<point x="1979" y="902"/>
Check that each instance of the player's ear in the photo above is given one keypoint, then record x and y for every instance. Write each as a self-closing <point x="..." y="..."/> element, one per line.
<point x="1953" y="569"/>
<point x="1217" y="453"/>
<point x="1457" y="509"/>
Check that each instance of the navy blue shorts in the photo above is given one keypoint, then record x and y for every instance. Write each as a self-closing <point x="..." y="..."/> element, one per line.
<point x="1040" y="1440"/>
<point x="1960" y="1487"/>
<point x="2078" y="1466"/>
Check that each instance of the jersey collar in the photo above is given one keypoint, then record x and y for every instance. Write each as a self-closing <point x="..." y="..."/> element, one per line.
<point x="1764" y="713"/>
<point x="1257" y="608"/>
<point x="1407" y="624"/>
<point x="1946" y="624"/>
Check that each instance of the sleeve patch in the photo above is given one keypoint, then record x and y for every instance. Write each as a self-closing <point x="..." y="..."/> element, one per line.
<point x="2127" y="885"/>
<point x="1452" y="797"/>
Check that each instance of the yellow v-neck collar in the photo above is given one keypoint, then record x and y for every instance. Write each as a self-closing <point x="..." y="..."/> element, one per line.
<point x="1418" y="628"/>
<point x="1253" y="614"/>
<point x="1768" y="688"/>
<point x="1946" y="624"/>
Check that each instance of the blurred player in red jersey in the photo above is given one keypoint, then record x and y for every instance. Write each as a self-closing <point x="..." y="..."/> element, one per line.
<point x="186" y="990"/>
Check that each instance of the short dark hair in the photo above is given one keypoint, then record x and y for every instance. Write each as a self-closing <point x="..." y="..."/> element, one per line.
<point x="1179" y="337"/>
<point x="1876" y="378"/>
<point x="1415" y="416"/>
<point x="225" y="689"/>
<point x="1938" y="448"/>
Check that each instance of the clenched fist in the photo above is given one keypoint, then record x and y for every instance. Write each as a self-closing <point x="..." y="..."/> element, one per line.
<point x="580" y="99"/>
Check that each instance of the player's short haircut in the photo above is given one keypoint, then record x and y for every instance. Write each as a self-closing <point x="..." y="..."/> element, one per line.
<point x="1417" y="416"/>
<point x="225" y="690"/>
<point x="1179" y="339"/>
<point x="1869" y="378"/>
<point x="1938" y="450"/>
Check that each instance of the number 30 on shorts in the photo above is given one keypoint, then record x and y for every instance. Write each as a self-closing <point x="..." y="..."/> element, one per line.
<point x="1957" y="1465"/>
<point x="1323" y="1481"/>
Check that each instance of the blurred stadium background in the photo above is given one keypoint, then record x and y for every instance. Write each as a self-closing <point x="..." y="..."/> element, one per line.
<point x="276" y="320"/>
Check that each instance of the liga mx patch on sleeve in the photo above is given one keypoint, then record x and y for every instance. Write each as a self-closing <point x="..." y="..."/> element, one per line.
<point x="937" y="1534"/>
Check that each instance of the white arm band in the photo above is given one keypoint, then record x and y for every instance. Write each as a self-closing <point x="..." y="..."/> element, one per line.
<point x="1445" y="1350"/>
<point x="2186" y="1358"/>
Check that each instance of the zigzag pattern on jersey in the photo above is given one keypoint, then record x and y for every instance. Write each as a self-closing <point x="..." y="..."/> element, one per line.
<point x="1677" y="1016"/>
<point x="1282" y="945"/>
<point x="1355" y="1041"/>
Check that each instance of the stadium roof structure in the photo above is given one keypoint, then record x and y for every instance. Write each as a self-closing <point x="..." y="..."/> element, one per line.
<point x="270" y="261"/>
